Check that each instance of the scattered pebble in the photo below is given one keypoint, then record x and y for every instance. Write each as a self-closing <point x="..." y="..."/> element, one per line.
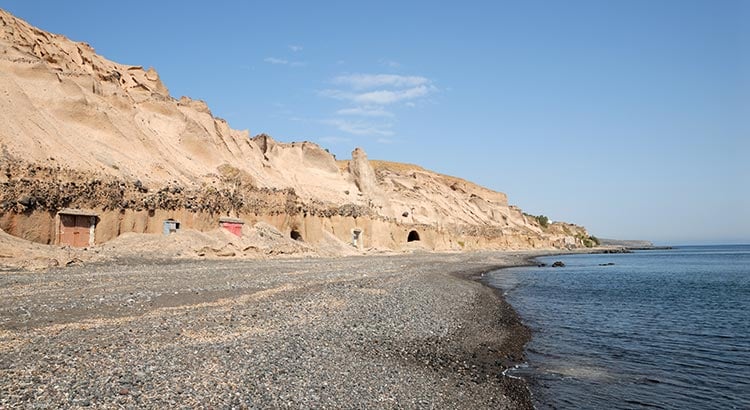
<point x="369" y="332"/>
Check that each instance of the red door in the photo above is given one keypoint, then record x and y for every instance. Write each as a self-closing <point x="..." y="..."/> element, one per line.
<point x="75" y="230"/>
<point x="234" y="228"/>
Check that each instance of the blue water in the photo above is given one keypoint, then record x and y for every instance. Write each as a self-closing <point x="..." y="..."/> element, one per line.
<point x="659" y="329"/>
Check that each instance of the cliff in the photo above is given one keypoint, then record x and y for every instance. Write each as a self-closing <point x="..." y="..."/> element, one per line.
<point x="80" y="131"/>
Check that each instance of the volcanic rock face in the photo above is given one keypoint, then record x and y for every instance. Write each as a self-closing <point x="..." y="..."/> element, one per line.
<point x="80" y="131"/>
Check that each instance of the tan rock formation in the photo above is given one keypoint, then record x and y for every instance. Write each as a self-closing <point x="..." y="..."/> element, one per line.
<point x="80" y="131"/>
<point x="361" y="170"/>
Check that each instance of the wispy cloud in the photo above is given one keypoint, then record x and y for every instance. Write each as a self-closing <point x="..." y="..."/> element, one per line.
<point x="274" y="60"/>
<point x="295" y="48"/>
<point x="385" y="97"/>
<point x="379" y="89"/>
<point x="281" y="61"/>
<point x="379" y="97"/>
<point x="365" y="112"/>
<point x="368" y="96"/>
<point x="370" y="81"/>
<point x="360" y="127"/>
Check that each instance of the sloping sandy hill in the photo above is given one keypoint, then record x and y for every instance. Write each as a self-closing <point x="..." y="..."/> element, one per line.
<point x="64" y="104"/>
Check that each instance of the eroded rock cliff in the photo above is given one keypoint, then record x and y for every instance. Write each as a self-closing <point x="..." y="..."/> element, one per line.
<point x="80" y="131"/>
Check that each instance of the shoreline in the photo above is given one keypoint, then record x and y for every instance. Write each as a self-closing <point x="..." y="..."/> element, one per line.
<point x="513" y="349"/>
<point x="622" y="363"/>
<point x="417" y="330"/>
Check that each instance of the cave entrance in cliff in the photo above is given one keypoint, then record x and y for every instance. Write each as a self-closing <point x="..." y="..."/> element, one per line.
<point x="296" y="235"/>
<point x="413" y="236"/>
<point x="357" y="237"/>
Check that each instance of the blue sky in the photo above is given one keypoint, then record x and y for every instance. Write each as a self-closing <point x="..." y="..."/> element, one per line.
<point x="631" y="118"/>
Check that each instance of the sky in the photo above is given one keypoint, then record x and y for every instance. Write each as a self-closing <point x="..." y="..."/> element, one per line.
<point x="631" y="118"/>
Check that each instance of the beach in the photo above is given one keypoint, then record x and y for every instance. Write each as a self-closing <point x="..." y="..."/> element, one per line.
<point x="397" y="331"/>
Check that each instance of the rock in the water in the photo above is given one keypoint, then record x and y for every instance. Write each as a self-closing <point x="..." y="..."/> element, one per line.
<point x="558" y="264"/>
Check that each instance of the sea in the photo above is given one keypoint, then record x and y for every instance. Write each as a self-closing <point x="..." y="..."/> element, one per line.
<point x="656" y="329"/>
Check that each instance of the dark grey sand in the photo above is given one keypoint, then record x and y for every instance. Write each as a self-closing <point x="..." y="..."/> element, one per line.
<point x="406" y="331"/>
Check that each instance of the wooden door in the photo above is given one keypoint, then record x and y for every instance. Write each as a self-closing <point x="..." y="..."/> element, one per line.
<point x="75" y="230"/>
<point x="233" y="228"/>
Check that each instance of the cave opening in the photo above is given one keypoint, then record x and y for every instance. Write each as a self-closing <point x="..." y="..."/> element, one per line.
<point x="296" y="235"/>
<point x="413" y="236"/>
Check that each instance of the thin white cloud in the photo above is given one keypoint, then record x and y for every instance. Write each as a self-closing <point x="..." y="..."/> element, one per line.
<point x="359" y="127"/>
<point x="379" y="97"/>
<point x="384" y="97"/>
<point x="274" y="60"/>
<point x="370" y="81"/>
<point x="368" y="97"/>
<point x="337" y="94"/>
<point x="281" y="61"/>
<point x="379" y="89"/>
<point x="365" y="112"/>
<point x="295" y="48"/>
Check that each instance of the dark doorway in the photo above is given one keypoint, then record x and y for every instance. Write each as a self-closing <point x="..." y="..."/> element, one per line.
<point x="296" y="235"/>
<point x="413" y="236"/>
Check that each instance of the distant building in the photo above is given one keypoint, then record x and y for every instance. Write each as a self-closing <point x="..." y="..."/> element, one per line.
<point x="76" y="227"/>
<point x="171" y="226"/>
<point x="232" y="225"/>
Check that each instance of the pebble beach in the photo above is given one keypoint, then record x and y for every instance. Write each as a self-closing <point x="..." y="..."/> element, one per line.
<point x="404" y="331"/>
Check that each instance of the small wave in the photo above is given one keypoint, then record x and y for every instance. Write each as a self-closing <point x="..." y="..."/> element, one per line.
<point x="648" y="380"/>
<point x="643" y="404"/>
<point x="516" y="367"/>
<point x="582" y="372"/>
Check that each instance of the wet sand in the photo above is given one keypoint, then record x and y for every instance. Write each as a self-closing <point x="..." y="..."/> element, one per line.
<point x="404" y="331"/>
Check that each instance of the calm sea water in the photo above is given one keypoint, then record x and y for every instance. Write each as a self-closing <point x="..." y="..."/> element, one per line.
<point x="658" y="329"/>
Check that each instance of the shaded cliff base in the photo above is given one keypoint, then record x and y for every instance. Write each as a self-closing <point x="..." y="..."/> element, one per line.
<point x="130" y="217"/>
<point x="277" y="222"/>
<point x="258" y="241"/>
